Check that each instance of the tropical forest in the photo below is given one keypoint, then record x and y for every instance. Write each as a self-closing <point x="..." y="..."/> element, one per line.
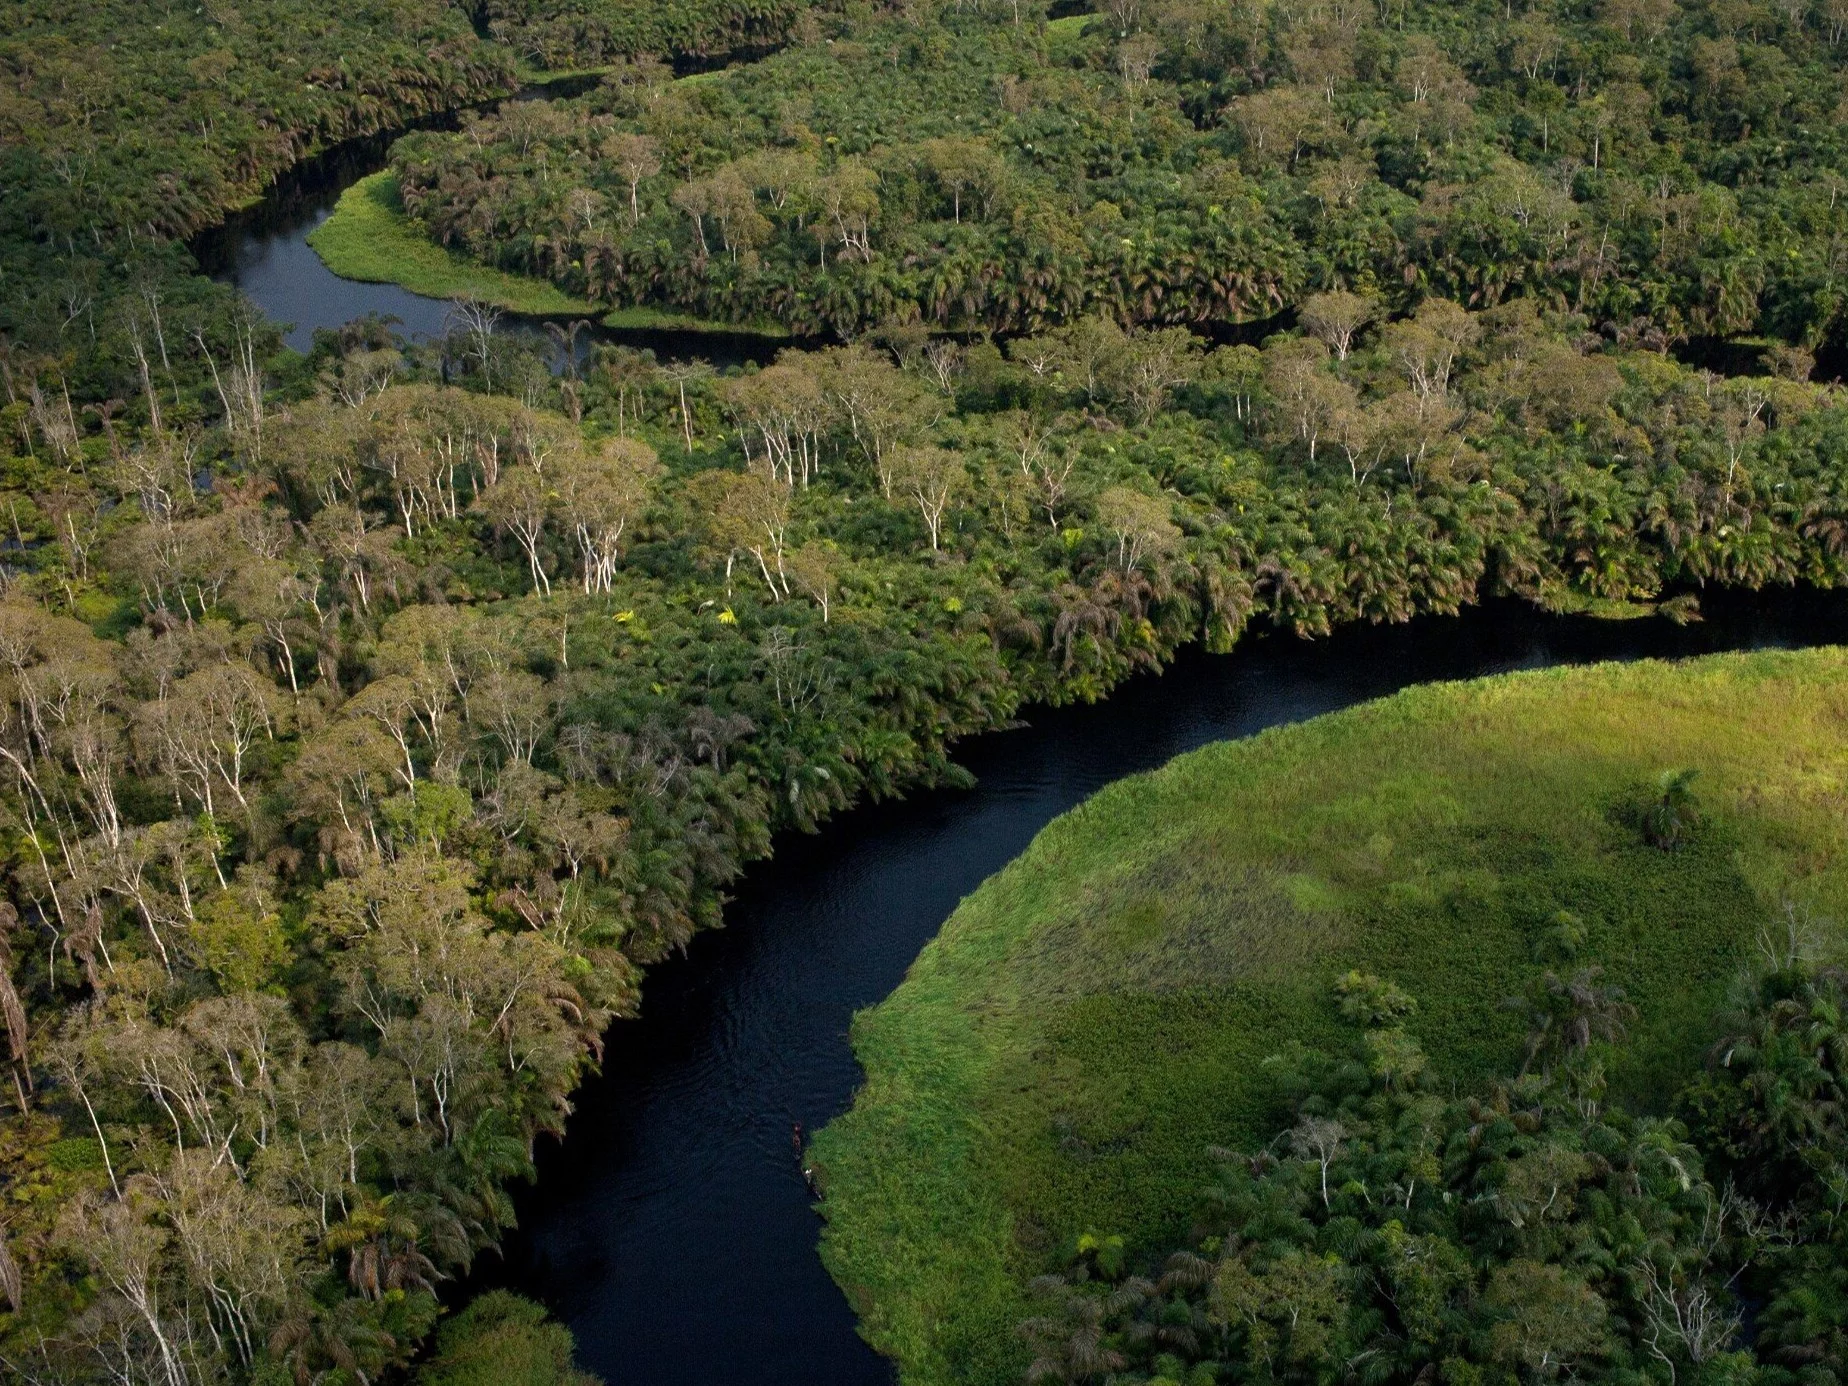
<point x="947" y="692"/>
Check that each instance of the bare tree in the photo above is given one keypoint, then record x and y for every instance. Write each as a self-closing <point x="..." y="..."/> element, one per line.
<point x="476" y="321"/>
<point x="934" y="477"/>
<point x="1318" y="1139"/>
<point x="1335" y="318"/>
<point x="638" y="157"/>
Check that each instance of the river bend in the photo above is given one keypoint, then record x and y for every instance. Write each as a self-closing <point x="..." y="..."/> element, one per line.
<point x="671" y="1228"/>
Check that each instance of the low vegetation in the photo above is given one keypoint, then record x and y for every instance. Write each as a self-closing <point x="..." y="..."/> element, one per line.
<point x="367" y="238"/>
<point x="1148" y="982"/>
<point x="502" y="1340"/>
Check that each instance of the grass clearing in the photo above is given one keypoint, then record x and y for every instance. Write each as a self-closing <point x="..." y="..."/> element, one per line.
<point x="1097" y="1014"/>
<point x="654" y="320"/>
<point x="369" y="238"/>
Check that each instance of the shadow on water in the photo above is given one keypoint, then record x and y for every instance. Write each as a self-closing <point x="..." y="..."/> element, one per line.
<point x="671" y="1228"/>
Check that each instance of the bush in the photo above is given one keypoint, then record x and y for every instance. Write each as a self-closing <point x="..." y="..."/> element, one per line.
<point x="503" y="1340"/>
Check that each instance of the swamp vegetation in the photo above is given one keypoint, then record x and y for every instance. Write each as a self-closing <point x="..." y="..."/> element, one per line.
<point x="1586" y="1124"/>
<point x="372" y="718"/>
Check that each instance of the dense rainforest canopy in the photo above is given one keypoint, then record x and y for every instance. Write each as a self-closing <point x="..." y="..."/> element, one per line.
<point x="1660" y="170"/>
<point x="371" y="718"/>
<point x="1532" y="1230"/>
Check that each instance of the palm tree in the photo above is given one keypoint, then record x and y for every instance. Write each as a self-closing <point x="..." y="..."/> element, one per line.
<point x="1074" y="1343"/>
<point x="315" y="1343"/>
<point x="1566" y="1015"/>
<point x="381" y="1242"/>
<point x="1788" y="1056"/>
<point x="565" y="336"/>
<point x="1674" y="812"/>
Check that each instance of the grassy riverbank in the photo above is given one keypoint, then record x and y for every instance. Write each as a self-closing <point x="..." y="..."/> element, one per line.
<point x="370" y="239"/>
<point x="1098" y="1014"/>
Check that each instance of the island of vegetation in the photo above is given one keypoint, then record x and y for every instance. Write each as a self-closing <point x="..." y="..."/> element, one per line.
<point x="1487" y="1030"/>
<point x="372" y="718"/>
<point x="367" y="237"/>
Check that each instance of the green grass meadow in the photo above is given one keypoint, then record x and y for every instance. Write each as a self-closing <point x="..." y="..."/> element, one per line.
<point x="1098" y="1014"/>
<point x="369" y="238"/>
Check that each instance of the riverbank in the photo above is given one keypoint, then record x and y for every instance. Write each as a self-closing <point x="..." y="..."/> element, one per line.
<point x="1098" y="1013"/>
<point x="369" y="238"/>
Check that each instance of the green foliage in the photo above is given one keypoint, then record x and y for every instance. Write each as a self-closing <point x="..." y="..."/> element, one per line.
<point x="500" y="1339"/>
<point x="100" y="104"/>
<point x="1525" y="1234"/>
<point x="1770" y="1109"/>
<point x="1676" y="811"/>
<point x="367" y="239"/>
<point x="1368" y="1001"/>
<point x="374" y="717"/>
<point x="1519" y="1235"/>
<point x="1184" y="165"/>
<point x="569" y="34"/>
<point x="243" y="947"/>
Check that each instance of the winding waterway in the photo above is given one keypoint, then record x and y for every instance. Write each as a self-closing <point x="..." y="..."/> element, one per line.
<point x="671" y="1228"/>
<point x="264" y="251"/>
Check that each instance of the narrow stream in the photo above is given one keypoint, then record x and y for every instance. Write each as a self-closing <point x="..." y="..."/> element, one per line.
<point x="671" y="1229"/>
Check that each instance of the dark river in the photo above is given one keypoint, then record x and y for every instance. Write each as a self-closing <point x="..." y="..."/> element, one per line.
<point x="671" y="1229"/>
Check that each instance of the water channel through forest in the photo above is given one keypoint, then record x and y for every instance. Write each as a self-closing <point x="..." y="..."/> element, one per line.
<point x="264" y="251"/>
<point x="671" y="1228"/>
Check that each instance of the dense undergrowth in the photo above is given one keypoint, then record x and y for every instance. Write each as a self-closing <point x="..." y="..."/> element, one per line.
<point x="1663" y="170"/>
<point x="1062" y="1061"/>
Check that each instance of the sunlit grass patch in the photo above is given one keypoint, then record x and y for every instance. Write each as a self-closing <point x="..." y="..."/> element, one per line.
<point x="1098" y="1014"/>
<point x="369" y="238"/>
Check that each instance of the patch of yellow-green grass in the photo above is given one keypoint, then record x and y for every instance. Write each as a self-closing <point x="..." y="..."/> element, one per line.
<point x="1097" y="1014"/>
<point x="1067" y="39"/>
<point x="654" y="320"/>
<point x="531" y="76"/>
<point x="369" y="238"/>
<point x="552" y="76"/>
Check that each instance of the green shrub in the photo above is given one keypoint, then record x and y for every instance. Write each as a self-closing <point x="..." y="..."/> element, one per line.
<point x="501" y="1339"/>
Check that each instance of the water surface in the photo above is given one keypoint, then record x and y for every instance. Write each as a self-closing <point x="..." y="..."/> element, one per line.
<point x="264" y="251"/>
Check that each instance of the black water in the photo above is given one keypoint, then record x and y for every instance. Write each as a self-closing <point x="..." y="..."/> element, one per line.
<point x="264" y="251"/>
<point x="671" y="1228"/>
